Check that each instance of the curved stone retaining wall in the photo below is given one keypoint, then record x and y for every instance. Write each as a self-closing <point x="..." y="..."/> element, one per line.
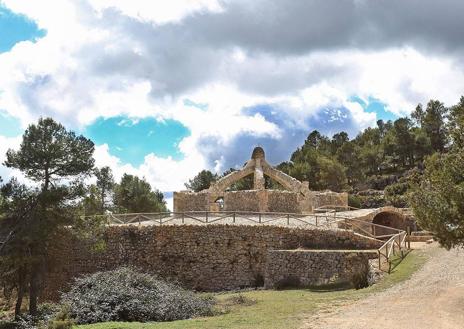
<point x="200" y="257"/>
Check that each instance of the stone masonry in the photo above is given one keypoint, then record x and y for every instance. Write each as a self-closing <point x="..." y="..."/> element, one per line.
<point x="199" y="257"/>
<point x="304" y="268"/>
<point x="295" y="198"/>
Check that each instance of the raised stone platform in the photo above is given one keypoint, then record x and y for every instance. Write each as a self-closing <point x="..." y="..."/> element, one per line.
<point x="306" y="268"/>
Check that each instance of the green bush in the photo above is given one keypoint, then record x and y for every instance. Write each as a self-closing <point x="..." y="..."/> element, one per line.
<point x="25" y="321"/>
<point x="62" y="320"/>
<point x="354" y="201"/>
<point x="127" y="295"/>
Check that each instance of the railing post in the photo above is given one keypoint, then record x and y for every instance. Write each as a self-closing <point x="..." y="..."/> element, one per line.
<point x="259" y="218"/>
<point x="183" y="217"/>
<point x="408" y="232"/>
<point x="380" y="262"/>
<point x="288" y="219"/>
<point x="206" y="216"/>
<point x="233" y="218"/>
<point x="316" y="220"/>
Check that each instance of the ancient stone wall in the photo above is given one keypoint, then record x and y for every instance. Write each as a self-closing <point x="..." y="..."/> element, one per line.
<point x="282" y="201"/>
<point x="190" y="201"/>
<point x="261" y="200"/>
<point x="201" y="257"/>
<point x="257" y="200"/>
<point x="330" y="198"/>
<point x="303" y="268"/>
<point x="251" y="200"/>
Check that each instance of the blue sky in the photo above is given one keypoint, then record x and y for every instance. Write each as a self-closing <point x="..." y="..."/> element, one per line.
<point x="132" y="139"/>
<point x="9" y="126"/>
<point x="15" y="28"/>
<point x="220" y="83"/>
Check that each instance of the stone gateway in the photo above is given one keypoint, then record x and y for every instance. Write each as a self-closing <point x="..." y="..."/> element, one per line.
<point x="296" y="196"/>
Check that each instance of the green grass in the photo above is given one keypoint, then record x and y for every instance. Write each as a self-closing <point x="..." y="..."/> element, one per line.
<point x="276" y="309"/>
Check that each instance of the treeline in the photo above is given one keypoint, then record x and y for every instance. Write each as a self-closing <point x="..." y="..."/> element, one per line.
<point x="59" y="163"/>
<point x="131" y="195"/>
<point x="377" y="166"/>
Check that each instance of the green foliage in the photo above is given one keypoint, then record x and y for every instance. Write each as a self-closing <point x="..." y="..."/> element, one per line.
<point x="127" y="295"/>
<point x="133" y="195"/>
<point x="105" y="184"/>
<point x="201" y="181"/>
<point x="62" y="319"/>
<point x="277" y="309"/>
<point x="375" y="165"/>
<point x="92" y="203"/>
<point x="438" y="198"/>
<point x="395" y="194"/>
<point x="433" y="124"/>
<point x="456" y="124"/>
<point x="48" y="153"/>
<point x="354" y="201"/>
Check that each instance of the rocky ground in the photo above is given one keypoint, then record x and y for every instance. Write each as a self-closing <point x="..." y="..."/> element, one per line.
<point x="432" y="298"/>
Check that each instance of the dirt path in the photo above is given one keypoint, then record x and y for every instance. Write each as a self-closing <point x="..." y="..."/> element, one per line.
<point x="432" y="298"/>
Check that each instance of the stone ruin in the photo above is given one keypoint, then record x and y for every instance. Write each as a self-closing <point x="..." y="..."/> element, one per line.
<point x="296" y="198"/>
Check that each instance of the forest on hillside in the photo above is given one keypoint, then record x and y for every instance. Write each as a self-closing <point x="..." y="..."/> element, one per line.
<point x="376" y="167"/>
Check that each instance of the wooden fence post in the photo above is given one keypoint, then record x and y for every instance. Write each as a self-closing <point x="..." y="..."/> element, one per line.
<point x="408" y="231"/>
<point x="380" y="262"/>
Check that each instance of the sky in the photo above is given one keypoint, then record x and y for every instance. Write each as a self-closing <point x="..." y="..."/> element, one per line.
<point x="168" y="88"/>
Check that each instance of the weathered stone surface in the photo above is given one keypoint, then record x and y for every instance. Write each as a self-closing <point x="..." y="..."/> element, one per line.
<point x="303" y="268"/>
<point x="201" y="257"/>
<point x="190" y="201"/>
<point x="296" y="198"/>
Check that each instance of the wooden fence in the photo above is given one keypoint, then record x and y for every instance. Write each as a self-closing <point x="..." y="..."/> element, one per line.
<point x="394" y="247"/>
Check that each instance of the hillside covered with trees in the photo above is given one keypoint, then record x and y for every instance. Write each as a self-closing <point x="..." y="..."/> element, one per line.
<point x="376" y="167"/>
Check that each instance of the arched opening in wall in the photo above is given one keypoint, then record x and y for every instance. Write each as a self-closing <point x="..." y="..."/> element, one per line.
<point x="272" y="184"/>
<point x="390" y="219"/>
<point x="245" y="183"/>
<point x="220" y="202"/>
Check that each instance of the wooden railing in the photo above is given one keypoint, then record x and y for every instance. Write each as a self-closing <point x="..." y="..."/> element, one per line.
<point x="395" y="246"/>
<point x="209" y="217"/>
<point x="393" y="240"/>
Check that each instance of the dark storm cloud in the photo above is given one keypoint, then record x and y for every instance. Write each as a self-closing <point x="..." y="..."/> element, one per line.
<point x="177" y="57"/>
<point x="327" y="121"/>
<point x="299" y="26"/>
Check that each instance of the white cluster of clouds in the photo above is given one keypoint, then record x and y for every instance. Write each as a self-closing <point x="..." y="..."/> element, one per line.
<point x="104" y="58"/>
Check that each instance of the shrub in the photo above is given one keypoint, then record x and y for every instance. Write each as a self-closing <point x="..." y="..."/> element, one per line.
<point x="354" y="201"/>
<point x="360" y="279"/>
<point x="127" y="295"/>
<point x="288" y="282"/>
<point x="45" y="312"/>
<point x="62" y="320"/>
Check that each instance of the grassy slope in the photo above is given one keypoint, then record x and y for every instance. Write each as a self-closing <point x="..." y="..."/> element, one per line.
<point x="277" y="309"/>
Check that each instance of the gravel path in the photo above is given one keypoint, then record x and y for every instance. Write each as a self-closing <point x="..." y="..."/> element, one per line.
<point x="432" y="298"/>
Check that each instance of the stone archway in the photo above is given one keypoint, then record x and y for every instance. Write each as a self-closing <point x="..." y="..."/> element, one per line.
<point x="296" y="198"/>
<point x="391" y="219"/>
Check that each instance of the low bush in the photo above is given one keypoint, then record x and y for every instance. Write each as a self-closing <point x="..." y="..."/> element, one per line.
<point x="288" y="283"/>
<point x="45" y="312"/>
<point x="127" y="295"/>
